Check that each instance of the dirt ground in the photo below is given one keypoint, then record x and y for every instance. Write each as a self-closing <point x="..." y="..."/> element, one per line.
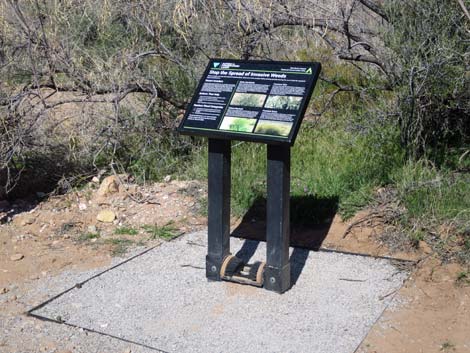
<point x="435" y="315"/>
<point x="86" y="228"/>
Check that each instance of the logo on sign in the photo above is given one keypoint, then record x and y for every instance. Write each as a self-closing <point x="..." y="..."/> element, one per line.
<point x="309" y="70"/>
<point x="216" y="64"/>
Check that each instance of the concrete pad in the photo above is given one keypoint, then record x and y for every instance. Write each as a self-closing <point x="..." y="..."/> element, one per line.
<point x="162" y="300"/>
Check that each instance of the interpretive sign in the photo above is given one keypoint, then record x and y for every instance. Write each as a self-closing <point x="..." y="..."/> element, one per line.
<point x="259" y="101"/>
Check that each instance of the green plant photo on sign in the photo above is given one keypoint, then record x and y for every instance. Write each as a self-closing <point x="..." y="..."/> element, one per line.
<point x="237" y="124"/>
<point x="276" y="128"/>
<point x="248" y="99"/>
<point x="283" y="102"/>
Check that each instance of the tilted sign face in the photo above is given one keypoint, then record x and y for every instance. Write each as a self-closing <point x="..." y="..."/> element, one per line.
<point x="259" y="101"/>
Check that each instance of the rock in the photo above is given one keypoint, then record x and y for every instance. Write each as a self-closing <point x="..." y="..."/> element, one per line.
<point x="17" y="257"/>
<point x="109" y="185"/>
<point x="425" y="247"/>
<point x="3" y="290"/>
<point x="167" y="179"/>
<point x="106" y="216"/>
<point x="92" y="229"/>
<point x="82" y="206"/>
<point x="95" y="180"/>
<point x="24" y="220"/>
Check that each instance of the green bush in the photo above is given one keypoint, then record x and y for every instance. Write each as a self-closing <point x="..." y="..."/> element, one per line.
<point x="428" y="43"/>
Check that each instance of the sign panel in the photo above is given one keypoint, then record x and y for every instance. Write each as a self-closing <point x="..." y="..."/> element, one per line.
<point x="259" y="101"/>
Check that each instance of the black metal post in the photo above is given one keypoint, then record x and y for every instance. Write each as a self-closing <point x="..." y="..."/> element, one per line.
<point x="277" y="271"/>
<point x="218" y="206"/>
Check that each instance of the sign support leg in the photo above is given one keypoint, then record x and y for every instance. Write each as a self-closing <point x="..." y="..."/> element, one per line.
<point x="218" y="206"/>
<point x="277" y="271"/>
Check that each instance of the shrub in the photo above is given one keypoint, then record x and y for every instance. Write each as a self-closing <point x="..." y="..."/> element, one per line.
<point x="429" y="53"/>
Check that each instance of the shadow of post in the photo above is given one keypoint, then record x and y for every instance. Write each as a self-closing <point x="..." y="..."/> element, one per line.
<point x="247" y="250"/>
<point x="310" y="222"/>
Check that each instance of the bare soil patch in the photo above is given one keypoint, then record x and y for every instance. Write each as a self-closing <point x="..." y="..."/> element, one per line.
<point x="65" y="231"/>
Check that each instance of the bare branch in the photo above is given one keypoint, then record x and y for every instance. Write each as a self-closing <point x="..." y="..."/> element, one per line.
<point x="464" y="8"/>
<point x="375" y="7"/>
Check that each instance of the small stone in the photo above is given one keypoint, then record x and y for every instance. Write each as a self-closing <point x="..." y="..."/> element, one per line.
<point x="82" y="206"/>
<point x="95" y="180"/>
<point x="167" y="179"/>
<point x="55" y="242"/>
<point x="106" y="216"/>
<point x="109" y="185"/>
<point x="27" y="221"/>
<point x="17" y="257"/>
<point x="4" y="290"/>
<point x="92" y="229"/>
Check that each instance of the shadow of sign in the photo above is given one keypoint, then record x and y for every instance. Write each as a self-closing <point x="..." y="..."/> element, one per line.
<point x="310" y="222"/>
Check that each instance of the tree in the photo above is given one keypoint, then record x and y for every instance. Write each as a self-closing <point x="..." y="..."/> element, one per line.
<point x="90" y="83"/>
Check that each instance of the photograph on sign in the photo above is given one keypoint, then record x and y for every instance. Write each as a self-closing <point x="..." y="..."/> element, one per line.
<point x="259" y="101"/>
<point x="283" y="102"/>
<point x="237" y="124"/>
<point x="248" y="99"/>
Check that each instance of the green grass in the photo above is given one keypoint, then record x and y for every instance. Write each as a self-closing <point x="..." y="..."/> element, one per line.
<point x="120" y="246"/>
<point x="463" y="277"/>
<point x="167" y="231"/>
<point x="432" y="198"/>
<point x="431" y="193"/>
<point x="329" y="164"/>
<point x="88" y="236"/>
<point x="447" y="345"/>
<point x="126" y="231"/>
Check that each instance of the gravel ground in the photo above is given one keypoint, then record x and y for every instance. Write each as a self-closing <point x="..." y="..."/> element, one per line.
<point x="20" y="333"/>
<point x="162" y="301"/>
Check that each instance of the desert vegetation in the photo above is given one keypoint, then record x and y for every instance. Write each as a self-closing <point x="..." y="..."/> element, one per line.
<point x="97" y="87"/>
